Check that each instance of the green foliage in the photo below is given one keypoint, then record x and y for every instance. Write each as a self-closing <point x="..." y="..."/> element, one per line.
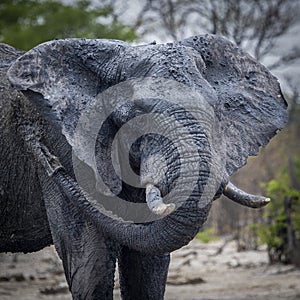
<point x="26" y="23"/>
<point x="207" y="235"/>
<point x="281" y="214"/>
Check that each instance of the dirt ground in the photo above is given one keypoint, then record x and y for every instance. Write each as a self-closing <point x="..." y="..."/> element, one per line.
<point x="197" y="271"/>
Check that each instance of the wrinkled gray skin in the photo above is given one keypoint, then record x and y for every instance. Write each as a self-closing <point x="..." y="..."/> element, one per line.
<point x="40" y="205"/>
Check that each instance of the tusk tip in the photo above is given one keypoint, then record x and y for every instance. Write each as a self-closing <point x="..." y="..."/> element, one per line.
<point x="164" y="209"/>
<point x="155" y="201"/>
<point x="239" y="196"/>
<point x="266" y="201"/>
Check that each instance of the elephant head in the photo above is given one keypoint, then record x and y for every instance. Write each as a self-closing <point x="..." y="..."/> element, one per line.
<point x="201" y="107"/>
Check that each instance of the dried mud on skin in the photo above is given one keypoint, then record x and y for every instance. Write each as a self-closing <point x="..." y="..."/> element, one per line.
<point x="197" y="272"/>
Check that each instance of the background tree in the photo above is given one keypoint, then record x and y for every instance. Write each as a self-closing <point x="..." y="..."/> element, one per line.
<point x="252" y="24"/>
<point x="281" y="232"/>
<point x="26" y="23"/>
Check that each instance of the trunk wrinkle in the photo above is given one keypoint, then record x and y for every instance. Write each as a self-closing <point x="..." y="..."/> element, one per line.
<point x="135" y="236"/>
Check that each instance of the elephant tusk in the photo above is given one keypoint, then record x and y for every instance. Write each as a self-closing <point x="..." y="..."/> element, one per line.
<point x="155" y="201"/>
<point x="243" y="198"/>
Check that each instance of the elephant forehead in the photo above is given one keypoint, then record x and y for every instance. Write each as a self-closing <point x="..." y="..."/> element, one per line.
<point x="164" y="60"/>
<point x="169" y="62"/>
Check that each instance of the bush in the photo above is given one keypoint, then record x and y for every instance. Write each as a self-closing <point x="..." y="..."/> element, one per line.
<point x="207" y="236"/>
<point x="281" y="232"/>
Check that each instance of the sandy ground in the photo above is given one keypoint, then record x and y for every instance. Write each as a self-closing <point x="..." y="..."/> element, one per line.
<point x="197" y="271"/>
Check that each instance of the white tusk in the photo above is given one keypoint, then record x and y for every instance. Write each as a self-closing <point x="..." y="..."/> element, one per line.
<point x="155" y="201"/>
<point x="243" y="198"/>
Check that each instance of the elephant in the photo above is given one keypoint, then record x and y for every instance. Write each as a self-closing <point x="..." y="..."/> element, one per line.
<point x="80" y="118"/>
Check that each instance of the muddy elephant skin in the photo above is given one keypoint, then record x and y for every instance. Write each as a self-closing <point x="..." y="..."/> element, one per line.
<point x="65" y="103"/>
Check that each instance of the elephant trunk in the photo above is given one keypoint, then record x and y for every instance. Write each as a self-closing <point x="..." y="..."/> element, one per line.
<point x="161" y="236"/>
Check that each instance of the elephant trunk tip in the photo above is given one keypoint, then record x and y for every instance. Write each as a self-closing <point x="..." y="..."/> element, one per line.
<point x="155" y="201"/>
<point x="239" y="196"/>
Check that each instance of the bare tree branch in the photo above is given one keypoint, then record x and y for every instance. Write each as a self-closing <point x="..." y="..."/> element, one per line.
<point x="247" y="22"/>
<point x="289" y="58"/>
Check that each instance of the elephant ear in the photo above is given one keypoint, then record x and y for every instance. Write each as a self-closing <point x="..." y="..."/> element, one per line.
<point x="250" y="105"/>
<point x="63" y="79"/>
